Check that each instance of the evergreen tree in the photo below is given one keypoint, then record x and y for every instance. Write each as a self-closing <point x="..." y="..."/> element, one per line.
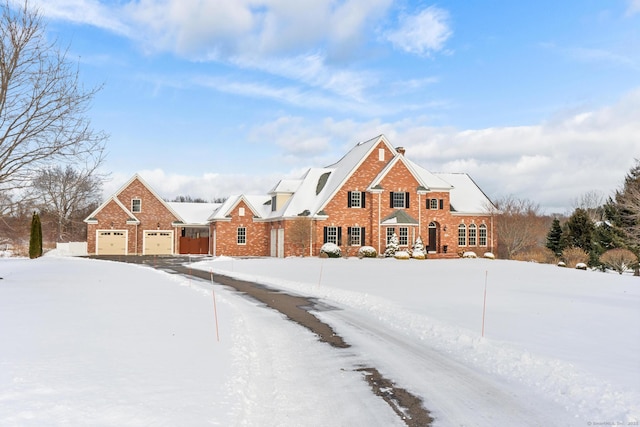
<point x="580" y="230"/>
<point x="35" y="242"/>
<point x="392" y="246"/>
<point x="555" y="242"/>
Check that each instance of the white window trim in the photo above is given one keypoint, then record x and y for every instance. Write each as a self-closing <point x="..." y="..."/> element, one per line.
<point x="397" y="199"/>
<point x="358" y="198"/>
<point x="332" y="234"/>
<point x="244" y="235"/>
<point x="136" y="199"/>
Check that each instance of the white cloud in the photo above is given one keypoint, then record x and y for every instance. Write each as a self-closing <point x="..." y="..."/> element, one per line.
<point x="634" y="7"/>
<point x="551" y="163"/>
<point x="423" y="33"/>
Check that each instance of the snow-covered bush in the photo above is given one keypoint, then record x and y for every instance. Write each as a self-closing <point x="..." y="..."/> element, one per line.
<point x="331" y="249"/>
<point x="562" y="264"/>
<point x="469" y="254"/>
<point x="619" y="260"/>
<point x="489" y="255"/>
<point x="367" y="252"/>
<point x="392" y="246"/>
<point x="418" y="249"/>
<point x="581" y="266"/>
<point x="402" y="255"/>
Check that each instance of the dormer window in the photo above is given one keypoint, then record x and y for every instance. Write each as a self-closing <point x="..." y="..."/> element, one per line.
<point x="274" y="199"/>
<point x="136" y="205"/>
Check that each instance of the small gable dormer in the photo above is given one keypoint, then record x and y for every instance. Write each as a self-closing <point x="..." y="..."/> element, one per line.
<point x="282" y="192"/>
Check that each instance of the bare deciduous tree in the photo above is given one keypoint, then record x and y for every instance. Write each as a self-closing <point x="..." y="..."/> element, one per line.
<point x="519" y="224"/>
<point x="65" y="193"/>
<point x="593" y="204"/>
<point x="43" y="105"/>
<point x="300" y="233"/>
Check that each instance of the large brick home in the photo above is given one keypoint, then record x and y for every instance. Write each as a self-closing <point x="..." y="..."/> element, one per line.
<point x="373" y="192"/>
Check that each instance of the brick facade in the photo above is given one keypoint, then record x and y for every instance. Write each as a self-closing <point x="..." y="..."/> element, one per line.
<point x="358" y="207"/>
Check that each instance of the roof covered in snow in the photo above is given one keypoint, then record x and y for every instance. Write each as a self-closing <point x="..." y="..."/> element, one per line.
<point x="466" y="196"/>
<point x="194" y="213"/>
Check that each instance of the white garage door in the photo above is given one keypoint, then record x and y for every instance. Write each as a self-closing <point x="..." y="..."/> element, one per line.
<point x="111" y="242"/>
<point x="158" y="242"/>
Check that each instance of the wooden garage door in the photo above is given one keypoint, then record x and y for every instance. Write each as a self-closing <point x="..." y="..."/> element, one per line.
<point x="112" y="242"/>
<point x="158" y="242"/>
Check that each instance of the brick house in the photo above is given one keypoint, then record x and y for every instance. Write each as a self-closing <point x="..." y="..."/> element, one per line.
<point x="373" y="192"/>
<point x="135" y="220"/>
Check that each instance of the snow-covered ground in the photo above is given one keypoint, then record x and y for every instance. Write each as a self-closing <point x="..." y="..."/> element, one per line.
<point x="87" y="342"/>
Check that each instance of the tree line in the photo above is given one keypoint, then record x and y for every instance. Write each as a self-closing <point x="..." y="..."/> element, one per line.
<point x="600" y="232"/>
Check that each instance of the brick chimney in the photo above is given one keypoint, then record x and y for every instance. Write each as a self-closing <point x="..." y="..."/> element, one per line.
<point x="400" y="150"/>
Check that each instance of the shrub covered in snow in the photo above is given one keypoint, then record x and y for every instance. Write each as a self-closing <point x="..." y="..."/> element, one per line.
<point x="489" y="255"/>
<point x="331" y="249"/>
<point x="562" y="264"/>
<point x="581" y="266"/>
<point x="469" y="254"/>
<point x="402" y="255"/>
<point x="367" y="252"/>
<point x="392" y="246"/>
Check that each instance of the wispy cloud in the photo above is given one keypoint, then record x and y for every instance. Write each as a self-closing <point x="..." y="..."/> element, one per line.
<point x="423" y="33"/>
<point x="634" y="7"/>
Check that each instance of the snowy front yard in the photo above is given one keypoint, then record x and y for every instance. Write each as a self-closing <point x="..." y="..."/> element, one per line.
<point x="86" y="342"/>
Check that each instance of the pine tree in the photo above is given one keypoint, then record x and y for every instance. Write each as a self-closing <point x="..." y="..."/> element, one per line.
<point x="35" y="242"/>
<point x="554" y="238"/>
<point x="392" y="246"/>
<point x="580" y="228"/>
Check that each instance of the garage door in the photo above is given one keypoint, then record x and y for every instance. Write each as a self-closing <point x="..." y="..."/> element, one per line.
<point x="158" y="242"/>
<point x="112" y="242"/>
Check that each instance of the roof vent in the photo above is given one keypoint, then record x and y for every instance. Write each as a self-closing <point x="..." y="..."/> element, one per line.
<point x="400" y="150"/>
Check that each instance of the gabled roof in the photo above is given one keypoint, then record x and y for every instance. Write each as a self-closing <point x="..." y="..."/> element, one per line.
<point x="399" y="217"/>
<point x="466" y="196"/>
<point x="255" y="203"/>
<point x="426" y="179"/>
<point x="319" y="185"/>
<point x="91" y="218"/>
<point x="286" y="186"/>
<point x="124" y="187"/>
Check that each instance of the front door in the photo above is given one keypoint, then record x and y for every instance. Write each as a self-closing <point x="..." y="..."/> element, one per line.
<point x="433" y="238"/>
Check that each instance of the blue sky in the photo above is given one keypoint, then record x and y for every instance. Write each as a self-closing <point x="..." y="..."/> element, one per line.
<point x="540" y="99"/>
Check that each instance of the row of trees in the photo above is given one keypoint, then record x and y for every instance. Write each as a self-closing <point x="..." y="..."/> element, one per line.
<point x="596" y="226"/>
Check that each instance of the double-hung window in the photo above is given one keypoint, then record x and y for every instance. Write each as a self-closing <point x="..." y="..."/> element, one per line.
<point x="356" y="199"/>
<point x="399" y="200"/>
<point x="242" y="235"/>
<point x="356" y="235"/>
<point x="404" y="236"/>
<point x="433" y="204"/>
<point x="482" y="235"/>
<point x="136" y="205"/>
<point x="462" y="235"/>
<point x="332" y="235"/>
<point x="472" y="235"/>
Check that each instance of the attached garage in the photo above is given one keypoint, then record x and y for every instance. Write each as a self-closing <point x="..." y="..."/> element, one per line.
<point x="111" y="242"/>
<point x="158" y="242"/>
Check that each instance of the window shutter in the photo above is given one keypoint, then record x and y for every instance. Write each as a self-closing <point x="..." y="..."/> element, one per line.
<point x="406" y="200"/>
<point x="428" y="205"/>
<point x="391" y="199"/>
<point x="441" y="203"/>
<point x="348" y="234"/>
<point x="348" y="199"/>
<point x="325" y="235"/>
<point x="362" y="237"/>
<point x="363" y="198"/>
<point x="339" y="236"/>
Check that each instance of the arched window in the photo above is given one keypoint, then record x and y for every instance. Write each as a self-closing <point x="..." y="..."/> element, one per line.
<point x="473" y="235"/>
<point x="462" y="235"/>
<point x="482" y="237"/>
